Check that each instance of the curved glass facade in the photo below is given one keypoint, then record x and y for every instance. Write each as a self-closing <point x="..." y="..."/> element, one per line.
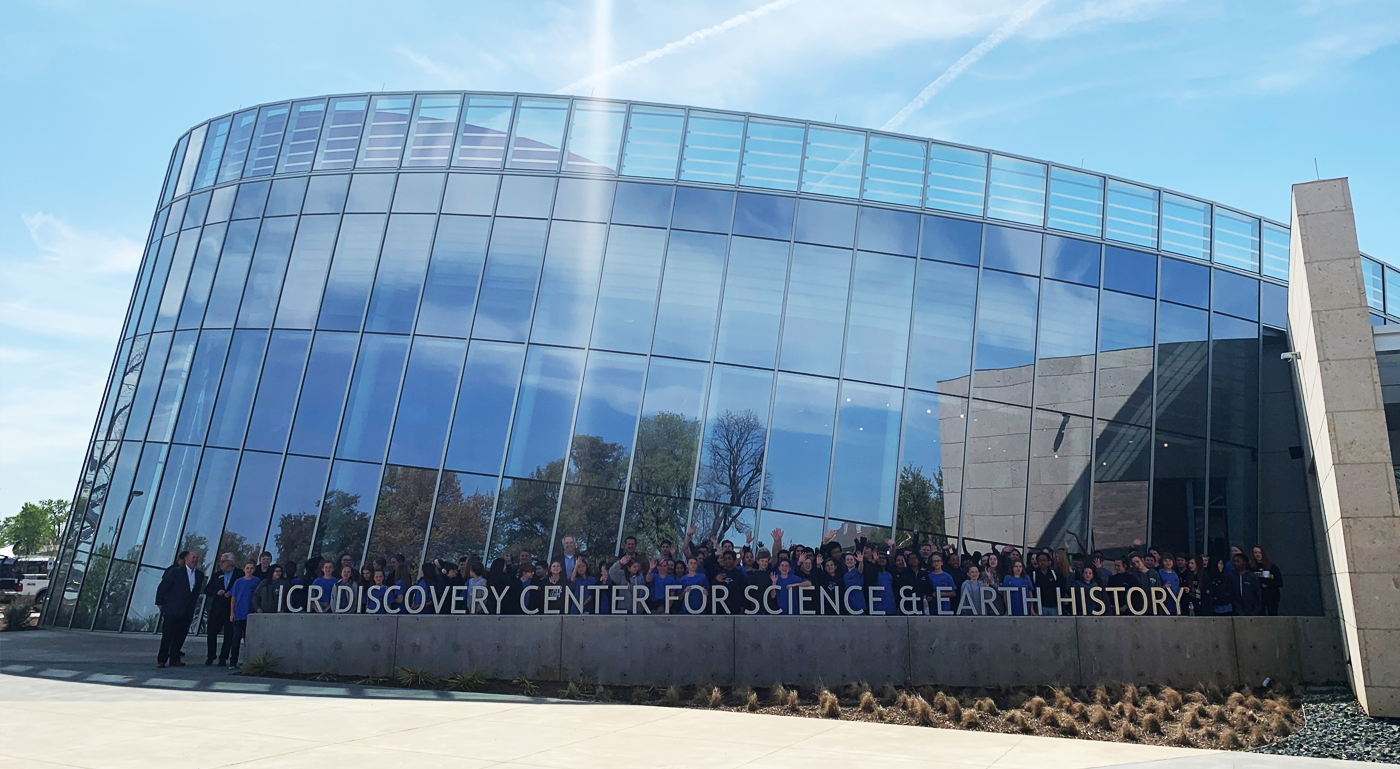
<point x="443" y="323"/>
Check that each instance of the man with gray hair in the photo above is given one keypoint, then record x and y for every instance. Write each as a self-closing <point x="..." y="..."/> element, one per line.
<point x="217" y="595"/>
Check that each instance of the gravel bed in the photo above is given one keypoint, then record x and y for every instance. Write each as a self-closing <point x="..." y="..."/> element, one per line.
<point x="1336" y="727"/>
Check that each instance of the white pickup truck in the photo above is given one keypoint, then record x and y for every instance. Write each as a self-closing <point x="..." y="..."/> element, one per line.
<point x="26" y="576"/>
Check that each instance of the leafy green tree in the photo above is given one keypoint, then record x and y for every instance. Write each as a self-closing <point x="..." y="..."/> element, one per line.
<point x="921" y="501"/>
<point x="36" y="528"/>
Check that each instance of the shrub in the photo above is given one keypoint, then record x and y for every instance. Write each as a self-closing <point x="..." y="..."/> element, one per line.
<point x="1069" y="727"/>
<point x="641" y="694"/>
<point x="794" y="703"/>
<point x="1079" y="711"/>
<point x="1172" y="698"/>
<point x="777" y="694"/>
<point x="1229" y="740"/>
<point x="921" y="711"/>
<point x="987" y="705"/>
<point x="752" y="704"/>
<point x="867" y="702"/>
<point x="602" y="694"/>
<point x="671" y="697"/>
<point x="1018" y="720"/>
<point x="1193" y="718"/>
<point x="970" y="720"/>
<point x="1258" y="735"/>
<point x="1101" y="697"/>
<point x="889" y="695"/>
<point x="954" y="709"/>
<point x="527" y="687"/>
<point x="716" y="697"/>
<point x="470" y="682"/>
<point x="1152" y="724"/>
<point x="1034" y="706"/>
<point x="1062" y="699"/>
<point x="1130" y="695"/>
<point x="1099" y="718"/>
<point x="1128" y="732"/>
<point x="1049" y="716"/>
<point x="17" y="612"/>
<point x="827" y="704"/>
<point x="260" y="665"/>
<point x="416" y="678"/>
<point x="1235" y="700"/>
<point x="1183" y="739"/>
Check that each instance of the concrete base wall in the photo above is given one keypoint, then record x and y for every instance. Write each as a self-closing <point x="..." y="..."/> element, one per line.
<point x="758" y="651"/>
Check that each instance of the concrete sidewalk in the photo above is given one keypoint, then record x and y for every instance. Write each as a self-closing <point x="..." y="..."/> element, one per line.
<point x="97" y="700"/>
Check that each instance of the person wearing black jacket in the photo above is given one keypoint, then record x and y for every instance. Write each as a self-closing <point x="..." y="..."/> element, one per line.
<point x="1244" y="588"/>
<point x="758" y="577"/>
<point x="1048" y="584"/>
<point x="1146" y="578"/>
<point x="1270" y="580"/>
<point x="1121" y="578"/>
<point x="218" y="592"/>
<point x="732" y="577"/>
<point x="175" y="598"/>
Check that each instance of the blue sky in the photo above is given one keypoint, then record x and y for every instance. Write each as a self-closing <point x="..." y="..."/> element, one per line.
<point x="1228" y="100"/>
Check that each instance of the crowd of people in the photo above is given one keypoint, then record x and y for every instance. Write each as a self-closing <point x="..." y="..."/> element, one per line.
<point x="939" y="580"/>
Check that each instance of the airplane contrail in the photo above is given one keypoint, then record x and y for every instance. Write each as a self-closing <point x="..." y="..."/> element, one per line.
<point x="685" y="42"/>
<point x="968" y="59"/>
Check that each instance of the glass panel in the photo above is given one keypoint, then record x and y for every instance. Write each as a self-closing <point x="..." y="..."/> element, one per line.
<point x="653" y="142"/>
<point x="1012" y="249"/>
<point x="894" y="169"/>
<point x="731" y="460"/>
<point x="485" y="126"/>
<point x="799" y="449"/>
<point x="994" y="481"/>
<point x="833" y="162"/>
<point x="1017" y="190"/>
<point x="142" y="616"/>
<point x="369" y="413"/>
<point x="930" y="474"/>
<point x="352" y="270"/>
<point x="449" y="295"/>
<point x="251" y="506"/>
<point x="346" y="511"/>
<point x="170" y="502"/>
<point x="826" y="224"/>
<point x="1076" y="201"/>
<point x="893" y="232"/>
<point x="327" y="376"/>
<point x="528" y="196"/>
<point x="462" y="515"/>
<point x="172" y="386"/>
<point x="524" y="517"/>
<point x="484" y="406"/>
<point x="945" y="302"/>
<point x="1236" y="240"/>
<point x="595" y="137"/>
<point x="173" y="171"/>
<point x="265" y="274"/>
<point x="418" y="193"/>
<point x="434" y="127"/>
<point x="1006" y="315"/>
<point x="196" y="207"/>
<point x="341" y="143"/>
<point x="1234" y="376"/>
<point x="192" y="148"/>
<point x="815" y="316"/>
<point x="951" y="240"/>
<point x="1132" y="214"/>
<point x="240" y="136"/>
<point x="1125" y="360"/>
<point x="1132" y="271"/>
<point x="277" y="390"/>
<point x="208" y="504"/>
<point x="298" y="503"/>
<point x="286" y="197"/>
<point x="764" y="216"/>
<point x="957" y="179"/>
<point x="1065" y="370"/>
<point x="1122" y="456"/>
<point x="508" y="286"/>
<point x="867" y="454"/>
<point x="1178" y="493"/>
<point x="1392" y="291"/>
<point x="772" y="155"/>
<point x="252" y="196"/>
<point x="213" y="152"/>
<point x="1370" y="274"/>
<point x="1186" y="283"/>
<point x="539" y="134"/>
<point x="131" y="373"/>
<point x="1181" y="351"/>
<point x="370" y="193"/>
<point x="399" y="280"/>
<point x="1236" y="295"/>
<point x="685" y="323"/>
<point x="1074" y="260"/>
<point x="1273" y="304"/>
<point x="1234" y="496"/>
<point x="704" y="210"/>
<point x="142" y="503"/>
<point x="540" y="433"/>
<point x="753" y="302"/>
<point x="1185" y="226"/>
<point x="584" y="200"/>
<point x="1057" y="507"/>
<point x="177" y="217"/>
<point x="145" y="398"/>
<point x="174" y="294"/>
<point x="115" y="595"/>
<point x="236" y="390"/>
<point x="1275" y="251"/>
<point x="877" y="335"/>
<point x="402" y="511"/>
<point x="425" y="407"/>
<point x="306" y="272"/>
<point x="470" y="194"/>
<point x="201" y="277"/>
<point x="386" y="130"/>
<point x="569" y="285"/>
<point x="668" y="437"/>
<point x="303" y="131"/>
<point x="712" y="148"/>
<point x="220" y="205"/>
<point x="266" y="141"/>
<point x="648" y="205"/>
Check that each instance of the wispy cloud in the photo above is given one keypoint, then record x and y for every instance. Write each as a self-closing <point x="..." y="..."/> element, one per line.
<point x="968" y="59"/>
<point x="450" y="76"/>
<point x="79" y="249"/>
<point x="685" y="42"/>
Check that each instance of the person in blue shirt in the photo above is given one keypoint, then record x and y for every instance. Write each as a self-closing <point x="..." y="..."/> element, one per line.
<point x="852" y="579"/>
<point x="787" y="584"/>
<point x="885" y="599"/>
<point x="240" y="603"/>
<point x="663" y="576"/>
<point x="327" y="583"/>
<point x="377" y="590"/>
<point x="938" y="578"/>
<point x="1017" y="581"/>
<point x="695" y="586"/>
<point x="1170" y="580"/>
<point x="579" y="582"/>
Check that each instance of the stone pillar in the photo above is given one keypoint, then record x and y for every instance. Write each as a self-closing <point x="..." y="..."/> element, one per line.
<point x="1330" y="329"/>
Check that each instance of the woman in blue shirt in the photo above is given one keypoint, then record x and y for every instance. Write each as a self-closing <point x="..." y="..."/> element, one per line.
<point x="579" y="582"/>
<point x="376" y="591"/>
<point x="695" y="586"/>
<point x="970" y="594"/>
<point x="852" y="601"/>
<point x="1017" y="581"/>
<point x="787" y="584"/>
<point x="240" y="603"/>
<point x="327" y="583"/>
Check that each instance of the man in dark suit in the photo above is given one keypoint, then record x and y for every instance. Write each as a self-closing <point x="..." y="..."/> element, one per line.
<point x="219" y="592"/>
<point x="178" y="592"/>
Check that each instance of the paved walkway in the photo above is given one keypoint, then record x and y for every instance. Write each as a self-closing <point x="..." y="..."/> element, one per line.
<point x="97" y="700"/>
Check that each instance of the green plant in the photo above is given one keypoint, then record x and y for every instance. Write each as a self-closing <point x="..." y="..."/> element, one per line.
<point x="466" y="682"/>
<point x="672" y="697"/>
<point x="777" y="694"/>
<point x="752" y="704"/>
<point x="573" y="692"/>
<point x="417" y="678"/>
<point x="371" y="681"/>
<point x="260" y="665"/>
<point x="17" y="613"/>
<point x="323" y="676"/>
<point x="527" y="687"/>
<point x="716" y="697"/>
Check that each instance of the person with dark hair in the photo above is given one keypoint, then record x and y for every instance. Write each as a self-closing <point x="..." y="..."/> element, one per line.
<point x="1102" y="572"/>
<point x="787" y="583"/>
<point x="176" y="596"/>
<point x="240" y="603"/>
<point x="1020" y="585"/>
<point x="376" y="595"/>
<point x="663" y="576"/>
<point x="942" y="586"/>
<point x="264" y="568"/>
<point x="218" y="600"/>
<point x="695" y="587"/>
<point x="579" y="582"/>
<point x="476" y="578"/>
<point x="271" y="592"/>
<point x="429" y="580"/>
<point x="970" y="594"/>
<point x="554" y="584"/>
<point x="1270" y="581"/>
<point x="1220" y="599"/>
<point x="326" y="582"/>
<point x="829" y="581"/>
<point x="1086" y="579"/>
<point x="853" y="586"/>
<point x="732" y="578"/>
<point x="1245" y="598"/>
<point x="1047" y="583"/>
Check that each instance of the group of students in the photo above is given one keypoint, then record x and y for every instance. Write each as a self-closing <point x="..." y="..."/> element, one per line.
<point x="684" y="580"/>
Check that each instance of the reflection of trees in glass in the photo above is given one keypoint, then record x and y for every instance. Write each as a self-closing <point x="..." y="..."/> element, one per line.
<point x="92" y="586"/>
<point x="731" y="474"/>
<point x="199" y="544"/>
<point x="593" y="499"/>
<point x="293" y="535"/>
<point x="525" y="514"/>
<point x="461" y="521"/>
<point x="343" y="526"/>
<point x="663" y="469"/>
<point x="115" y="594"/>
<point x="401" y="516"/>
<point x="240" y="547"/>
<point x="921" y="500"/>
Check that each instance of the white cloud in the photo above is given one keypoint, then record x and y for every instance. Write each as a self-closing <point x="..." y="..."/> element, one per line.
<point x="81" y="250"/>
